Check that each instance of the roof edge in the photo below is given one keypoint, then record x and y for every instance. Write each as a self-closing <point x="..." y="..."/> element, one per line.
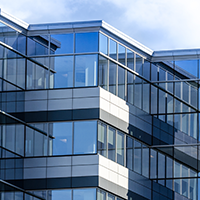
<point x="13" y="19"/>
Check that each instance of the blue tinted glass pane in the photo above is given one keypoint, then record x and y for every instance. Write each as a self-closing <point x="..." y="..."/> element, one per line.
<point x="113" y="49"/>
<point x="62" y="144"/>
<point x="112" y="77"/>
<point x="103" y="44"/>
<point x="139" y="61"/>
<point x="188" y="67"/>
<point x="130" y="59"/>
<point x="103" y="72"/>
<point x="121" y="82"/>
<point x="61" y="194"/>
<point x="121" y="54"/>
<point x="62" y="43"/>
<point x="84" y="194"/>
<point x="86" y="70"/>
<point x="86" y="42"/>
<point x="85" y="137"/>
<point x="64" y="71"/>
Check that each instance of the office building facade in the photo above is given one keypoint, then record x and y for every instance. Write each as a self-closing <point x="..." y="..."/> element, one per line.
<point x="89" y="113"/>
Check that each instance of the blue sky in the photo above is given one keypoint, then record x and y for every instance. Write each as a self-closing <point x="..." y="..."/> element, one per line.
<point x="158" y="24"/>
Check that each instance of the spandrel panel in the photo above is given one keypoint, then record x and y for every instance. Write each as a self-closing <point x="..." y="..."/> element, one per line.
<point x="62" y="43"/>
<point x="103" y="43"/>
<point x="103" y="72"/>
<point x="86" y="42"/>
<point x="187" y="67"/>
<point x="86" y="67"/>
<point x="63" y="77"/>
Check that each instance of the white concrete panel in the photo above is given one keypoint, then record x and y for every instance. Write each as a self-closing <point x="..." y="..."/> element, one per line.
<point x="112" y="176"/>
<point x="122" y="181"/>
<point x="103" y="172"/>
<point x="35" y="95"/>
<point x="34" y="173"/>
<point x="85" y="170"/>
<point x="123" y="171"/>
<point x="103" y="161"/>
<point x="104" y="104"/>
<point x="123" y="115"/>
<point x="113" y="110"/>
<point x="60" y="104"/>
<point x="60" y="94"/>
<point x="59" y="161"/>
<point x="36" y="105"/>
<point x="123" y="104"/>
<point x="113" y="166"/>
<point x="113" y="99"/>
<point x="86" y="103"/>
<point x="53" y="172"/>
<point x="35" y="162"/>
<point x="85" y="160"/>
<point x="104" y="94"/>
<point x="86" y="92"/>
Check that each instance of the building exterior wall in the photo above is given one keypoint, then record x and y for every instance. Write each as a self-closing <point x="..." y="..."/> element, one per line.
<point x="89" y="113"/>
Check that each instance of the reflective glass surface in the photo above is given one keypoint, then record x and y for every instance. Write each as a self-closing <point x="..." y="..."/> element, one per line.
<point x="86" y="70"/>
<point x="130" y="59"/>
<point x="84" y="194"/>
<point x="61" y="194"/>
<point x="121" y="82"/>
<point x="64" y="71"/>
<point x="86" y="42"/>
<point x="103" y="43"/>
<point x="103" y="72"/>
<point x="121" y="54"/>
<point x="62" y="132"/>
<point x="112" y="77"/>
<point x="113" y="49"/>
<point x="85" y="137"/>
<point x="62" y="43"/>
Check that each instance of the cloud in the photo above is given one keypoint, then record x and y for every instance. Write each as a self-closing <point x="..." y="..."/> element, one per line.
<point x="157" y="24"/>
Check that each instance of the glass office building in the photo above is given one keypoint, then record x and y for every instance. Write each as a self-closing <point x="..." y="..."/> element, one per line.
<point x="88" y="113"/>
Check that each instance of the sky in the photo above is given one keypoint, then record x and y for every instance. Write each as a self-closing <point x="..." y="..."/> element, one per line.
<point x="157" y="24"/>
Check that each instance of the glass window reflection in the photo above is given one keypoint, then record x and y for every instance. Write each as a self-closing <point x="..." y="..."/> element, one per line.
<point x="113" y="49"/>
<point x="86" y="70"/>
<point x="86" y="42"/>
<point x="103" y="44"/>
<point x="121" y="54"/>
<point x="62" y="43"/>
<point x="85" y="137"/>
<point x="62" y="142"/>
<point x="84" y="194"/>
<point x="64" y="71"/>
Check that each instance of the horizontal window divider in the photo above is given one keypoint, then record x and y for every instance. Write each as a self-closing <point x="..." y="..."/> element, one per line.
<point x="180" y="80"/>
<point x="11" y="152"/>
